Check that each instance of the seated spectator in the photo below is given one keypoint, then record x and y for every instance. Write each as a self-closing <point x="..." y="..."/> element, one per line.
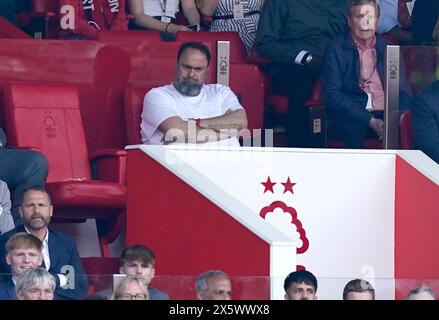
<point x="425" y="120"/>
<point x="293" y="35"/>
<point x="213" y="285"/>
<point x="35" y="284"/>
<point x="59" y="250"/>
<point x="21" y="169"/>
<point x="358" y="289"/>
<point x="131" y="288"/>
<point x="160" y="15"/>
<point x="6" y="220"/>
<point x="180" y="112"/>
<point x="138" y="260"/>
<point x="396" y="19"/>
<point x="23" y="251"/>
<point x="424" y="22"/>
<point x="354" y="78"/>
<point x="300" y="285"/>
<point x="230" y="15"/>
<point x="421" y="293"/>
<point x="92" y="16"/>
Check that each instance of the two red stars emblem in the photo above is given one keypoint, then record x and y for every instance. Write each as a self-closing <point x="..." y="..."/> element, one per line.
<point x="288" y="185"/>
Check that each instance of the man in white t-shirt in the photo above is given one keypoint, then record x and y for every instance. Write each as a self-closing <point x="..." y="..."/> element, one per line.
<point x="189" y="111"/>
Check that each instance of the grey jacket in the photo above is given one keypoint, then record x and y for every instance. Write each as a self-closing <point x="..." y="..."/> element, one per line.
<point x="6" y="221"/>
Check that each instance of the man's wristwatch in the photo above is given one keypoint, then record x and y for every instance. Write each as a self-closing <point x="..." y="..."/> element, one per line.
<point x="307" y="58"/>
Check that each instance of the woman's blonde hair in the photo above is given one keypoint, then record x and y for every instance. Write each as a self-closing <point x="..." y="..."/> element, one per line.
<point x="123" y="285"/>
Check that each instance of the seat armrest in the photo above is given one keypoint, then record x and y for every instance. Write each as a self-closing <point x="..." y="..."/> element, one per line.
<point x="109" y="165"/>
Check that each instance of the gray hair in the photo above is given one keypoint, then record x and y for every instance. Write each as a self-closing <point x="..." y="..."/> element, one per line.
<point x="122" y="287"/>
<point x="33" y="277"/>
<point x="421" y="290"/>
<point x="202" y="281"/>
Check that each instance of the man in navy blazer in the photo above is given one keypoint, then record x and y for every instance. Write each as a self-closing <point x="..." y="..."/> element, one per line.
<point x="425" y="120"/>
<point x="354" y="78"/>
<point x="60" y="255"/>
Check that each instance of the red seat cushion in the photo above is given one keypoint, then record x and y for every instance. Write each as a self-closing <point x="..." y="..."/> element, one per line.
<point x="87" y="199"/>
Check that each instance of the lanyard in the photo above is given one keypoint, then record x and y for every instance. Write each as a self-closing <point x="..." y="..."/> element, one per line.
<point x="163" y="6"/>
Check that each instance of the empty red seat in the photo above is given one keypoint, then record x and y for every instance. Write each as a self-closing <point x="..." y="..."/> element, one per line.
<point x="136" y="35"/>
<point x="133" y="111"/>
<point x="238" y="53"/>
<point x="48" y="118"/>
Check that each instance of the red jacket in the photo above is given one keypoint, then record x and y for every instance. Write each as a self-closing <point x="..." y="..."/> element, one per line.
<point x="107" y="14"/>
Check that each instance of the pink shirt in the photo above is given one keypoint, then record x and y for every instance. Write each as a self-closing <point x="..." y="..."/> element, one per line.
<point x="370" y="80"/>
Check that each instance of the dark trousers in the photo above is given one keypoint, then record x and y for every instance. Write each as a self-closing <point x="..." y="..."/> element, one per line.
<point x="21" y="169"/>
<point x="352" y="131"/>
<point x="296" y="82"/>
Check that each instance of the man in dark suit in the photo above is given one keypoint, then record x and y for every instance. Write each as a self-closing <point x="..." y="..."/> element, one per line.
<point x="20" y="169"/>
<point x="293" y="35"/>
<point x="23" y="251"/>
<point x="425" y="120"/>
<point x="354" y="79"/>
<point x="60" y="255"/>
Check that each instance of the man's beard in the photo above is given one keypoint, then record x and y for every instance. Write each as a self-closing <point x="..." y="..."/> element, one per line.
<point x="37" y="224"/>
<point x="188" y="89"/>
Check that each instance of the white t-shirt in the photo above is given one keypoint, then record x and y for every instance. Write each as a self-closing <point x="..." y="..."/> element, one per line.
<point x="162" y="103"/>
<point x="153" y="8"/>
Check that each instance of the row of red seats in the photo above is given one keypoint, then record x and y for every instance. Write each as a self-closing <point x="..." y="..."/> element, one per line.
<point x="48" y="9"/>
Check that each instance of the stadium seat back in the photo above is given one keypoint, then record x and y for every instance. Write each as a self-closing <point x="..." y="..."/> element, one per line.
<point x="133" y="112"/>
<point x="238" y="53"/>
<point x="48" y="118"/>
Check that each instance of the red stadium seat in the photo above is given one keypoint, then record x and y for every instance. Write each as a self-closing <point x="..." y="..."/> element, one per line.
<point x="48" y="117"/>
<point x="100" y="272"/>
<point x="133" y="111"/>
<point x="407" y="140"/>
<point x="238" y="53"/>
<point x="137" y="35"/>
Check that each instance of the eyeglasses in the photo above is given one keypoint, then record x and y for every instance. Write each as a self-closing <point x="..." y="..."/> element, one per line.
<point x="132" y="296"/>
<point x="187" y="67"/>
<point x="36" y="293"/>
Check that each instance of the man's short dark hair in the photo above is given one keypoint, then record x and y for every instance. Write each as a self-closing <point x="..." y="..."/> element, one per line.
<point x="137" y="252"/>
<point x="354" y="3"/>
<point x="358" y="285"/>
<point x="37" y="188"/>
<point x="196" y="46"/>
<point x="301" y="276"/>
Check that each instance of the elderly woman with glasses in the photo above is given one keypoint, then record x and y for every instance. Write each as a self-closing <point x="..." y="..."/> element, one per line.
<point x="35" y="284"/>
<point x="131" y="288"/>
